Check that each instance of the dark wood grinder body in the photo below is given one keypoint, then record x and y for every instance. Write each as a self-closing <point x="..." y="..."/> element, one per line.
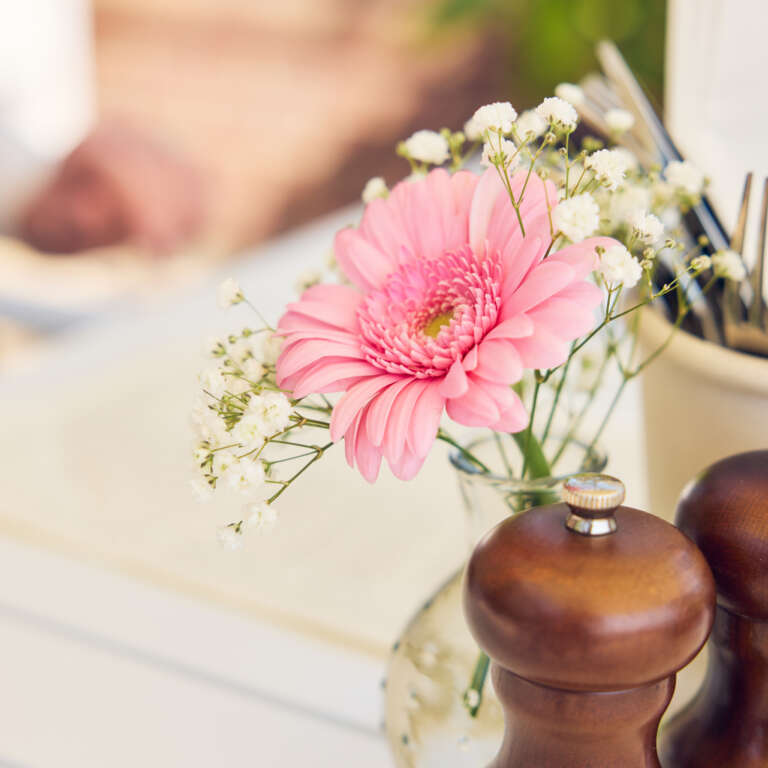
<point x="725" y="511"/>
<point x="587" y="610"/>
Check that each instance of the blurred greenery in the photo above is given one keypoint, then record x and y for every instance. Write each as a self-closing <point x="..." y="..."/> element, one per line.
<point x="545" y="42"/>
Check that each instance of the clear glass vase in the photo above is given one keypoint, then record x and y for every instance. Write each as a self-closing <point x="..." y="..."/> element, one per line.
<point x="427" y="722"/>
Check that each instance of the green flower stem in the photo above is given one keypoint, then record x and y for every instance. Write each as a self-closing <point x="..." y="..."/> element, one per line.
<point x="529" y="431"/>
<point x="446" y="438"/>
<point x="556" y="399"/>
<point x="473" y="696"/>
<point x="319" y="451"/>
<point x="537" y="464"/>
<point x="502" y="452"/>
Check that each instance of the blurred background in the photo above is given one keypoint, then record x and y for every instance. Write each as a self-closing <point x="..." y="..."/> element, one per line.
<point x="150" y="141"/>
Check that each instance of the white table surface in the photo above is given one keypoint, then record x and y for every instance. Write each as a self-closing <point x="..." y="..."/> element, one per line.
<point x="128" y="636"/>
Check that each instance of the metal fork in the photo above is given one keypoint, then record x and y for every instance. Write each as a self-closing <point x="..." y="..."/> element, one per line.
<point x="746" y="331"/>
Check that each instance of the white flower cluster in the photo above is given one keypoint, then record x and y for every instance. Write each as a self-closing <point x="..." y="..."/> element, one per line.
<point x="238" y="410"/>
<point x="577" y="218"/>
<point x="530" y="125"/>
<point x="374" y="188"/>
<point x="427" y="147"/>
<point x="570" y="93"/>
<point x="559" y="113"/>
<point x="729" y="264"/>
<point x="619" y="121"/>
<point x="259" y="516"/>
<point x="619" y="267"/>
<point x="685" y="177"/>
<point x="496" y="118"/>
<point x="646" y="227"/>
<point x="610" y="166"/>
<point x="229" y="293"/>
<point x="499" y="152"/>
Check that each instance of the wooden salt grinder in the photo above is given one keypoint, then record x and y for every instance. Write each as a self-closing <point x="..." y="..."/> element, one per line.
<point x="587" y="609"/>
<point x="725" y="511"/>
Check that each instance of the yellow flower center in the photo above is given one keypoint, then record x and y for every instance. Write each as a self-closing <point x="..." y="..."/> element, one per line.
<point x="432" y="328"/>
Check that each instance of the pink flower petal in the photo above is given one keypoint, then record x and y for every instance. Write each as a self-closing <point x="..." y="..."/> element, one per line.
<point x="517" y="261"/>
<point x="583" y="293"/>
<point x="292" y="322"/>
<point x="364" y="264"/>
<point x="350" y="438"/>
<point x="544" y="280"/>
<point x="327" y="371"/>
<point x="563" y="317"/>
<point x="367" y="456"/>
<point x="483" y="201"/>
<point x="499" y="361"/>
<point x="517" y="327"/>
<point x="542" y="350"/>
<point x="407" y="466"/>
<point x="514" y="417"/>
<point x="582" y="257"/>
<point x="399" y="417"/>
<point x="455" y="382"/>
<point x="304" y="353"/>
<point x="354" y="400"/>
<point x="339" y="315"/>
<point x="470" y="359"/>
<point x="475" y="408"/>
<point x="425" y="419"/>
<point x="380" y="407"/>
<point x="320" y="334"/>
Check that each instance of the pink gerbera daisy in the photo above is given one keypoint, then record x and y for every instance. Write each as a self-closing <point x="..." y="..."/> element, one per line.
<point x="449" y="303"/>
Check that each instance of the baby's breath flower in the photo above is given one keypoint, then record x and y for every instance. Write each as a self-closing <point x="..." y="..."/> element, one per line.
<point x="472" y="130"/>
<point x="530" y="125"/>
<point x="201" y="454"/>
<point x="729" y="264"/>
<point x="223" y="460"/>
<point x="201" y="488"/>
<point x="685" y="176"/>
<point x="207" y="422"/>
<point x="497" y="117"/>
<point x="415" y="175"/>
<point x="273" y="408"/>
<point x="499" y="152"/>
<point x="427" y="147"/>
<point x="624" y="204"/>
<point x="271" y="347"/>
<point x="213" y="382"/>
<point x="229" y="293"/>
<point x="260" y="516"/>
<point x="619" y="267"/>
<point x="558" y="112"/>
<point x="619" y="120"/>
<point x="609" y="167"/>
<point x="307" y="279"/>
<point x="244" y="475"/>
<point x="374" y="188"/>
<point x="577" y="217"/>
<point x="571" y="93"/>
<point x="231" y="536"/>
<point x="700" y="263"/>
<point x="647" y="227"/>
<point x="253" y="369"/>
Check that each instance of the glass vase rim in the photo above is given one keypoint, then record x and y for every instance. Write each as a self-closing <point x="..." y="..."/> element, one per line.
<point x="467" y="470"/>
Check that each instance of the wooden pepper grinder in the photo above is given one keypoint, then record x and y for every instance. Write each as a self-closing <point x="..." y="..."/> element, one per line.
<point x="587" y="609"/>
<point x="725" y="511"/>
